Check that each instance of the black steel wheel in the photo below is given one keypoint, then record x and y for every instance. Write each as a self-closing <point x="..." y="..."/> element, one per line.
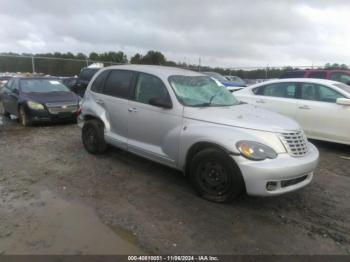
<point x="93" y="137"/>
<point x="215" y="176"/>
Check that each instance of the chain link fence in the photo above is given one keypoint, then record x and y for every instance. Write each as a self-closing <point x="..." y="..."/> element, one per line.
<point x="45" y="65"/>
<point x="70" y="67"/>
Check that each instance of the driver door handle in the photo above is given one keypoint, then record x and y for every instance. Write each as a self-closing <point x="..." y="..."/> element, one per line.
<point x="260" y="101"/>
<point x="100" y="102"/>
<point x="133" y="109"/>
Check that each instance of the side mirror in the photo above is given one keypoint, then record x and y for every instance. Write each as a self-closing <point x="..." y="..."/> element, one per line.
<point x="15" y="91"/>
<point x="343" y="101"/>
<point x="160" y="102"/>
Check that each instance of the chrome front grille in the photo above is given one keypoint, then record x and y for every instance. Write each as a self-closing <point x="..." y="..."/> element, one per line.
<point x="62" y="107"/>
<point x="295" y="143"/>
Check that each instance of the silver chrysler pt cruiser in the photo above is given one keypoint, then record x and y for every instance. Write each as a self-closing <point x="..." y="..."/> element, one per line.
<point x="187" y="121"/>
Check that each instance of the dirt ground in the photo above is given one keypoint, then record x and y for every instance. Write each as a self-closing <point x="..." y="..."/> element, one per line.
<point x="55" y="198"/>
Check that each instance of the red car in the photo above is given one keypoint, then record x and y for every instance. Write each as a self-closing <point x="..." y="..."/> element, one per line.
<point x="340" y="75"/>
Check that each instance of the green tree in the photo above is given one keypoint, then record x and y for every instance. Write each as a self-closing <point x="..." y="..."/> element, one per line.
<point x="136" y="59"/>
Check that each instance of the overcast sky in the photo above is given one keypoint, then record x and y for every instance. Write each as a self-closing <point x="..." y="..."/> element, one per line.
<point x="222" y="33"/>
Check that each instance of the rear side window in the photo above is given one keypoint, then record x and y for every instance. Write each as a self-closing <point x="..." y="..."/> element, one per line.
<point x="97" y="85"/>
<point x="285" y="90"/>
<point x="149" y="86"/>
<point x="318" y="74"/>
<point x="319" y="93"/>
<point x="118" y="83"/>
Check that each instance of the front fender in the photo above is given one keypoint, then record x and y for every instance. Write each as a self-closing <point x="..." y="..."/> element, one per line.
<point x="222" y="136"/>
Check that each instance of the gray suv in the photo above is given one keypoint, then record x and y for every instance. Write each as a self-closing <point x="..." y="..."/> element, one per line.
<point x="187" y="121"/>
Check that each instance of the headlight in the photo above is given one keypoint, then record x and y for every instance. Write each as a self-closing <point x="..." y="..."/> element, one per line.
<point x="35" y="105"/>
<point x="255" y="151"/>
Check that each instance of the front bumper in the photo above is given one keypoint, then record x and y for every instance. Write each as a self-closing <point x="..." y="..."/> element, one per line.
<point x="278" y="176"/>
<point x="38" y="116"/>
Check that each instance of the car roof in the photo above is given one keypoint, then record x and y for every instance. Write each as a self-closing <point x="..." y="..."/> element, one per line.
<point x="164" y="71"/>
<point x="306" y="80"/>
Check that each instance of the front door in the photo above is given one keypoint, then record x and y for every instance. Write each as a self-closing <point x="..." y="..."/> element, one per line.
<point x="153" y="131"/>
<point x="277" y="97"/>
<point x="319" y="114"/>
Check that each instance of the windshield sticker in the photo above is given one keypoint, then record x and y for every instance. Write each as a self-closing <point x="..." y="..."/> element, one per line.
<point x="55" y="82"/>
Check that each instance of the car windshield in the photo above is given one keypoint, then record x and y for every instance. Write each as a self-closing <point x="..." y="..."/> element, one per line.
<point x="345" y="87"/>
<point x="201" y="91"/>
<point x="42" y="86"/>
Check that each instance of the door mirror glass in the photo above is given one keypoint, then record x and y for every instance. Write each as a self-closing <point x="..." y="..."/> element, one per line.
<point x="343" y="101"/>
<point x="15" y="91"/>
<point x="160" y="102"/>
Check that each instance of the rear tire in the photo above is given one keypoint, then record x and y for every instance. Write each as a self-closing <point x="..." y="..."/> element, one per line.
<point x="93" y="137"/>
<point x="215" y="176"/>
<point x="23" y="117"/>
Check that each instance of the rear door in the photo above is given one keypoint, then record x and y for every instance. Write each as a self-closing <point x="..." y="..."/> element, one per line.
<point x="319" y="114"/>
<point x="153" y="131"/>
<point x="114" y="99"/>
<point x="277" y="97"/>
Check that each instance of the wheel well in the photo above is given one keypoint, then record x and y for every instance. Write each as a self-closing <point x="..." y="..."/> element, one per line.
<point x="90" y="117"/>
<point x="196" y="148"/>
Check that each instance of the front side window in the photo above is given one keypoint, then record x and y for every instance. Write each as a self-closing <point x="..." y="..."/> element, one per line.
<point x="149" y="86"/>
<point x="201" y="91"/>
<point x="42" y="86"/>
<point x="315" y="92"/>
<point x="341" y="77"/>
<point x="118" y="83"/>
<point x="285" y="90"/>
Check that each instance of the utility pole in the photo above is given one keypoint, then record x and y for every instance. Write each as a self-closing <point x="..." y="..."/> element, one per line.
<point x="87" y="62"/>
<point x="33" y="65"/>
<point x="199" y="64"/>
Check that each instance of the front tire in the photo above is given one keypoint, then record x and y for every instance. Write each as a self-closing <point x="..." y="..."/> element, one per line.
<point x="93" y="137"/>
<point x="23" y="117"/>
<point x="215" y="176"/>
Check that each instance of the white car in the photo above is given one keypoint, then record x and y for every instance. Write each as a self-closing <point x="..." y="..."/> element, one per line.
<point x="322" y="107"/>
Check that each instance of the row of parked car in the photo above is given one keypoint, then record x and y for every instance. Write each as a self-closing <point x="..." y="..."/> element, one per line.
<point x="227" y="143"/>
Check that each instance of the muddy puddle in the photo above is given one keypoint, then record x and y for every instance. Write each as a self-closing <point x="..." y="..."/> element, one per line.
<point x="49" y="224"/>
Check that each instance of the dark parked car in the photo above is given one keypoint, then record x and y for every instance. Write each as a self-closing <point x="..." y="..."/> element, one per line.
<point x="38" y="99"/>
<point x="342" y="76"/>
<point x="83" y="80"/>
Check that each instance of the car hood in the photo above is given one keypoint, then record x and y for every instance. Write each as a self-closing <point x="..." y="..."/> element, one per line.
<point x="51" y="97"/>
<point x="243" y="116"/>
